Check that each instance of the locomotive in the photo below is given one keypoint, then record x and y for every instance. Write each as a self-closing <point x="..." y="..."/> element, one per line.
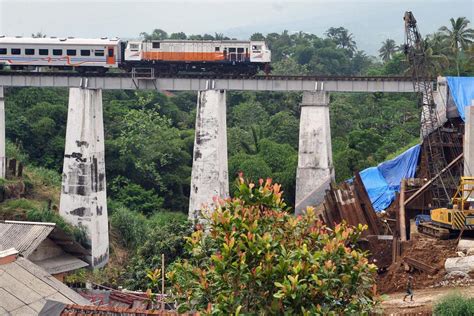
<point x="163" y="56"/>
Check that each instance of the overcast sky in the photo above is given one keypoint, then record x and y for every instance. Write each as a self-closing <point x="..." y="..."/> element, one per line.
<point x="371" y="21"/>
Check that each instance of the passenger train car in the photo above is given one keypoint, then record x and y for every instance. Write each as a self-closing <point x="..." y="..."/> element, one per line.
<point x="166" y="56"/>
<point x="60" y="53"/>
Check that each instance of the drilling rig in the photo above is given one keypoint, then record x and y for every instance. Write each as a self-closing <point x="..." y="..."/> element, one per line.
<point x="432" y="136"/>
<point x="437" y="143"/>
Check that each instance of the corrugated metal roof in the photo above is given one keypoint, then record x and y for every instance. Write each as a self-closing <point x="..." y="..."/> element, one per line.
<point x="25" y="287"/>
<point x="23" y="236"/>
<point x="63" y="263"/>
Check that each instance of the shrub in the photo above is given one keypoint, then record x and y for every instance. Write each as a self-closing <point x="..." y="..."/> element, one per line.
<point x="130" y="225"/>
<point x="455" y="305"/>
<point x="165" y="235"/>
<point x="135" y="197"/>
<point x="46" y="215"/>
<point x="255" y="258"/>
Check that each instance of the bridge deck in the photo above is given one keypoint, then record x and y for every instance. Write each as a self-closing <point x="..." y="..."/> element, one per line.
<point x="124" y="81"/>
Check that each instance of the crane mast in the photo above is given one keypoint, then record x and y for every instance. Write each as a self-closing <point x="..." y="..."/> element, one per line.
<point x="431" y="134"/>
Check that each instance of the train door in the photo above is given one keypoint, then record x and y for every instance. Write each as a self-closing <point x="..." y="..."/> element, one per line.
<point x="110" y="55"/>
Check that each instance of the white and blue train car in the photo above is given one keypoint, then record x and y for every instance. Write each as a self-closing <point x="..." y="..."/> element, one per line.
<point x="60" y="53"/>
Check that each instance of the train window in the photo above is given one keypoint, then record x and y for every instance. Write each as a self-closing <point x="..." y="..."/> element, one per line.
<point x="71" y="52"/>
<point x="57" y="52"/>
<point x="16" y="51"/>
<point x="29" y="51"/>
<point x="3" y="51"/>
<point x="85" y="52"/>
<point x="240" y="50"/>
<point x="43" y="52"/>
<point x="156" y="44"/>
<point x="218" y="49"/>
<point x="256" y="47"/>
<point x="99" y="52"/>
<point x="232" y="50"/>
<point x="110" y="52"/>
<point x="134" y="47"/>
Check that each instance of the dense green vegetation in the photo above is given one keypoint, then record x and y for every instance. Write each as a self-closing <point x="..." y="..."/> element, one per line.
<point x="149" y="136"/>
<point x="454" y="304"/>
<point x="255" y="258"/>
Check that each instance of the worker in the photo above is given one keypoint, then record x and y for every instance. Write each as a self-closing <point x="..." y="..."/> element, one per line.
<point x="409" y="289"/>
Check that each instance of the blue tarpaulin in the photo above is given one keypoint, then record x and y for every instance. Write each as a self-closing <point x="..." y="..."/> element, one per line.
<point x="462" y="90"/>
<point x="383" y="181"/>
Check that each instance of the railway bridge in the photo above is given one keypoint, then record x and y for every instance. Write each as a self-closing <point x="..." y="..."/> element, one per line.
<point x="83" y="194"/>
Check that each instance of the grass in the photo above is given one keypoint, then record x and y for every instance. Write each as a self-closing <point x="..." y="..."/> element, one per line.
<point x="455" y="305"/>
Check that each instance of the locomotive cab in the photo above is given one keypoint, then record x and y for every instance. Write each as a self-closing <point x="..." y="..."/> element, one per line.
<point x="259" y="52"/>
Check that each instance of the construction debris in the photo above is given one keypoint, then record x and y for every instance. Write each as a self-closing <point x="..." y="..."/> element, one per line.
<point x="464" y="264"/>
<point x="414" y="263"/>
<point x="424" y="250"/>
<point x="352" y="204"/>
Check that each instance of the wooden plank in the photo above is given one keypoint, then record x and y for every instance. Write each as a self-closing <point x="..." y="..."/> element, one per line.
<point x="428" y="184"/>
<point x="366" y="205"/>
<point x="402" y="218"/>
<point x="420" y="265"/>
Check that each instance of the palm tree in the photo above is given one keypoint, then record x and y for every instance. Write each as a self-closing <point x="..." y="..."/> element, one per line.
<point x="459" y="36"/>
<point x="432" y="64"/>
<point x="257" y="136"/>
<point x="347" y="42"/>
<point x="387" y="50"/>
<point x="342" y="38"/>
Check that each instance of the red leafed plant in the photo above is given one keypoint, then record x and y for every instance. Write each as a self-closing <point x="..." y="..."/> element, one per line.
<point x="254" y="257"/>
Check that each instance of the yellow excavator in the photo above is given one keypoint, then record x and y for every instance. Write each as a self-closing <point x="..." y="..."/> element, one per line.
<point x="458" y="216"/>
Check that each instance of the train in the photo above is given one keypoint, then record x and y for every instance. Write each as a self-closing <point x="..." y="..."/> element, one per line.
<point x="162" y="56"/>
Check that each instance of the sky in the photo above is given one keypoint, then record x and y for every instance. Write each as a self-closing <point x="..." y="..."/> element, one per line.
<point x="370" y="21"/>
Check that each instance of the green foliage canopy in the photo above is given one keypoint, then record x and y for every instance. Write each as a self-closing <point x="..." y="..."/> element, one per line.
<point x="258" y="259"/>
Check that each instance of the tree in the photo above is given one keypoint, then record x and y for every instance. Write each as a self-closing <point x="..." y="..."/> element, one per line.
<point x="387" y="50"/>
<point x="157" y="34"/>
<point x="255" y="258"/>
<point x="458" y="37"/>
<point x="253" y="166"/>
<point x="249" y="113"/>
<point x="342" y="38"/>
<point x="257" y="37"/>
<point x="178" y="36"/>
<point x="155" y="155"/>
<point x="283" y="128"/>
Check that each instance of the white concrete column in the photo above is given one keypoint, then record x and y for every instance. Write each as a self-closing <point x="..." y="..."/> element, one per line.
<point x="3" y="160"/>
<point x="83" y="194"/>
<point x="209" y="176"/>
<point x="469" y="140"/>
<point x="315" y="167"/>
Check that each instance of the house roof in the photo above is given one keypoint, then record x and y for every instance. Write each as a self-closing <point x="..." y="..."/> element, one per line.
<point x="25" y="288"/>
<point x="26" y="237"/>
<point x="62" y="263"/>
<point x="23" y="236"/>
<point x="111" y="311"/>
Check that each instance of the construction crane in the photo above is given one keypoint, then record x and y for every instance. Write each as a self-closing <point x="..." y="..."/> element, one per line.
<point x="431" y="134"/>
<point x="458" y="216"/>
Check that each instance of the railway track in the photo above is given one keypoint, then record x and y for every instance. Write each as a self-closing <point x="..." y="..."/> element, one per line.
<point x="205" y="76"/>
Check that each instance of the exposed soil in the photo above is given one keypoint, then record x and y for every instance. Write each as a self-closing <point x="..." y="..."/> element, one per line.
<point x="422" y="248"/>
<point x="423" y="300"/>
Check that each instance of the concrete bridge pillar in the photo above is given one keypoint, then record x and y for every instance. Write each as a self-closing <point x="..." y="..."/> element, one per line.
<point x="469" y="140"/>
<point x="83" y="192"/>
<point x="315" y="167"/>
<point x="209" y="176"/>
<point x="2" y="135"/>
